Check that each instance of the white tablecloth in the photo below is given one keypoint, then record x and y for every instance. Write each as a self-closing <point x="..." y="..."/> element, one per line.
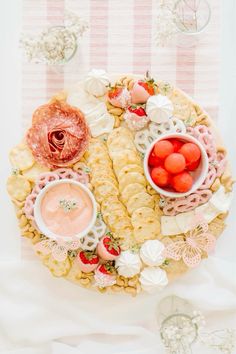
<point x="43" y="315"/>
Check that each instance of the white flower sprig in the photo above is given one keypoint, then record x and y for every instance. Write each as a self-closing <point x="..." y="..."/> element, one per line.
<point x="57" y="44"/>
<point x="165" y="20"/>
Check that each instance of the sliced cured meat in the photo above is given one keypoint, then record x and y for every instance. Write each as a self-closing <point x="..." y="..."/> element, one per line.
<point x="59" y="134"/>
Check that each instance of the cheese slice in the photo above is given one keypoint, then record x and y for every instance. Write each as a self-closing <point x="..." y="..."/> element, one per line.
<point x="102" y="125"/>
<point x="94" y="110"/>
<point x="221" y="200"/>
<point x="208" y="211"/>
<point x="169" y="226"/>
<point x="184" y="220"/>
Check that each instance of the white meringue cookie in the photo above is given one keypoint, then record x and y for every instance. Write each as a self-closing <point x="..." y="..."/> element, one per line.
<point x="151" y="253"/>
<point x="159" y="108"/>
<point x="96" y="82"/>
<point x="128" y="264"/>
<point x="153" y="279"/>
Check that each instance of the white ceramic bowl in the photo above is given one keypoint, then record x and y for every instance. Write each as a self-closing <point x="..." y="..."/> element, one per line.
<point x="38" y="216"/>
<point x="198" y="175"/>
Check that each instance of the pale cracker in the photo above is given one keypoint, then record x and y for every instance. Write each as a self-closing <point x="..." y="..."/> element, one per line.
<point x="146" y="224"/>
<point x="130" y="178"/>
<point x="129" y="168"/>
<point x="183" y="107"/>
<point x="121" y="131"/>
<point x="131" y="190"/>
<point x="139" y="200"/>
<point x="18" y="187"/>
<point x="33" y="172"/>
<point x="105" y="190"/>
<point x="21" y="157"/>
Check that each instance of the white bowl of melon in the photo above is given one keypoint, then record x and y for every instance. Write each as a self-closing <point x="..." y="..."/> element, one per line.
<point x="176" y="165"/>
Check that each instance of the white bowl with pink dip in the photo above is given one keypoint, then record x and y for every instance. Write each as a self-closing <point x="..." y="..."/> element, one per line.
<point x="65" y="209"/>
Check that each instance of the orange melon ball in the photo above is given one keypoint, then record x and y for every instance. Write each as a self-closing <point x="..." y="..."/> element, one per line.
<point x="163" y="148"/>
<point x="160" y="176"/>
<point x="191" y="152"/>
<point x="175" y="163"/>
<point x="182" y="182"/>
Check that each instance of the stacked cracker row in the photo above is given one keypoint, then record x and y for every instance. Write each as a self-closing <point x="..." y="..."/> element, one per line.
<point x="128" y="168"/>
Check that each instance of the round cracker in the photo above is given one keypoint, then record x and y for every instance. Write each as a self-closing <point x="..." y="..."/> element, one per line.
<point x="183" y="107"/>
<point x="21" y="157"/>
<point x="146" y="224"/>
<point x="139" y="200"/>
<point x="124" y="158"/>
<point x="132" y="177"/>
<point x="103" y="191"/>
<point x="98" y="179"/>
<point x="129" y="168"/>
<point x="116" y="212"/>
<point x="130" y="190"/>
<point x="110" y="205"/>
<point x="33" y="172"/>
<point x="18" y="187"/>
<point x="117" y="223"/>
<point x="117" y="133"/>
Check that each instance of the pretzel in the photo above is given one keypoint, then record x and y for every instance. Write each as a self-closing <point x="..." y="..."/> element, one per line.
<point x="29" y="205"/>
<point x="144" y="137"/>
<point x="44" y="179"/>
<point x="210" y="178"/>
<point x="204" y="135"/>
<point x="221" y="164"/>
<point x="173" y="206"/>
<point x="66" y="173"/>
<point x="90" y="241"/>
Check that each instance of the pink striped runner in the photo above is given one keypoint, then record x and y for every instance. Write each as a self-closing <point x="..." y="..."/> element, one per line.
<point x="121" y="39"/>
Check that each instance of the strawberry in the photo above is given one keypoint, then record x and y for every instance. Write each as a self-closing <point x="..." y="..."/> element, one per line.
<point x="135" y="117"/>
<point x="108" y="249"/>
<point x="139" y="110"/>
<point x="88" y="261"/>
<point x="106" y="268"/>
<point x="118" y="96"/>
<point x="115" y="91"/>
<point x="142" y="90"/>
<point x="148" y="85"/>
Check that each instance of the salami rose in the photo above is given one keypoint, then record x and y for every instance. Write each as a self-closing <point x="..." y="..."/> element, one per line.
<point x="59" y="134"/>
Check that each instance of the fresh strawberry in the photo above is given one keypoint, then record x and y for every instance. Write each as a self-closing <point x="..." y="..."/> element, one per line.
<point x="106" y="268"/>
<point x="148" y="85"/>
<point x="142" y="90"/>
<point x="88" y="261"/>
<point x="115" y="91"/>
<point x="135" y="117"/>
<point x="139" y="110"/>
<point x="108" y="249"/>
<point x="118" y="96"/>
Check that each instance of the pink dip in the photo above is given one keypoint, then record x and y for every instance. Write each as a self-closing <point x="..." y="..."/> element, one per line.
<point x="60" y="221"/>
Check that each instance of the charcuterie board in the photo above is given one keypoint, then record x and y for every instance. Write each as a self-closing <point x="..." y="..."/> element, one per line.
<point x="121" y="183"/>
